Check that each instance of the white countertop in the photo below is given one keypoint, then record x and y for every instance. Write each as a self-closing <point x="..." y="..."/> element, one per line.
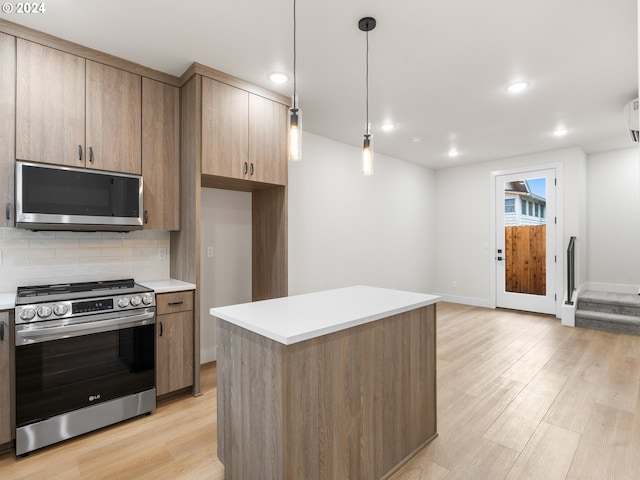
<point x="167" y="285"/>
<point x="7" y="300"/>
<point x="297" y="318"/>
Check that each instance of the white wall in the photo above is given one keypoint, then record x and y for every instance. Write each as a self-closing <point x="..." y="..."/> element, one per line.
<point x="225" y="278"/>
<point x="463" y="223"/>
<point x="41" y="258"/>
<point x="348" y="229"/>
<point x="614" y="217"/>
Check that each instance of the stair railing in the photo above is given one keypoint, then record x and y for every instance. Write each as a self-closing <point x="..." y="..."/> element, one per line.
<point x="571" y="270"/>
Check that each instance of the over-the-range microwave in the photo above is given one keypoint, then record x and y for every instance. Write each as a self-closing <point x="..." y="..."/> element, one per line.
<point x="50" y="197"/>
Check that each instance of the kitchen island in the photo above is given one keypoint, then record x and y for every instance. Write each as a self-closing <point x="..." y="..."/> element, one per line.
<point x="327" y="385"/>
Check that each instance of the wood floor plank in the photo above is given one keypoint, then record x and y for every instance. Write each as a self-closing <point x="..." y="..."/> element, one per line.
<point x="520" y="380"/>
<point x="519" y="421"/>
<point x="548" y="454"/>
<point x="608" y="447"/>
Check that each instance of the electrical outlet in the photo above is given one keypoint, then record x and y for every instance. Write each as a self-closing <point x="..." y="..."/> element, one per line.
<point x="209" y="251"/>
<point x="162" y="254"/>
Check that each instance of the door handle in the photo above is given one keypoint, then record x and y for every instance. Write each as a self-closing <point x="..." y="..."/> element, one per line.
<point x="1" y="331"/>
<point x="251" y="170"/>
<point x="246" y="167"/>
<point x="80" y="152"/>
<point x="90" y="154"/>
<point x="7" y="211"/>
<point x="161" y="330"/>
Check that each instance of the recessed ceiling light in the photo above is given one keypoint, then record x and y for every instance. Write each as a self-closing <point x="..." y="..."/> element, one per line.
<point x="278" y="77"/>
<point x="387" y="127"/>
<point x="560" y="132"/>
<point x="517" y="87"/>
<point x="416" y="139"/>
<point x="453" y="153"/>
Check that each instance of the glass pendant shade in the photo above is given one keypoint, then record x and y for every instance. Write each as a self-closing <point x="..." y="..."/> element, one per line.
<point x="367" y="156"/>
<point x="295" y="134"/>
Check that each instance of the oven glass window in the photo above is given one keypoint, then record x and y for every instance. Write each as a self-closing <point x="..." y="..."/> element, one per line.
<point x="59" y="376"/>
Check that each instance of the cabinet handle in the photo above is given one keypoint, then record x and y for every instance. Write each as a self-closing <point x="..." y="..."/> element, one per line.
<point x="7" y="210"/>
<point x="1" y="331"/>
<point x="90" y="154"/>
<point x="176" y="303"/>
<point x="160" y="329"/>
<point x="146" y="217"/>
<point x="251" y="170"/>
<point x="80" y="152"/>
<point x="246" y="167"/>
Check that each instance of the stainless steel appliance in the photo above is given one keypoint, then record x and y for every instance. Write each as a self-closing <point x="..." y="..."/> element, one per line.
<point x="84" y="359"/>
<point x="50" y="197"/>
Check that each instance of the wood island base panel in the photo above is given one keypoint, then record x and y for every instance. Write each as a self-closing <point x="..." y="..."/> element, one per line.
<point x="354" y="404"/>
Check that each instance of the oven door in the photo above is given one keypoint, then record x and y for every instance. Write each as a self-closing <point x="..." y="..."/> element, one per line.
<point x="63" y="366"/>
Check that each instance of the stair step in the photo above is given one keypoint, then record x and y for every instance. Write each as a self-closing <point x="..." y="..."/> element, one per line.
<point x="609" y="302"/>
<point x="610" y="322"/>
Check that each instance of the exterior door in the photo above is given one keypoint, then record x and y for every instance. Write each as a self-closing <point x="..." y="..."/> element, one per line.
<point x="525" y="241"/>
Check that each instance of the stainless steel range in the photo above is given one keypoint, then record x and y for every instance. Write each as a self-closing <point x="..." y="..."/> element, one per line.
<point x="84" y="358"/>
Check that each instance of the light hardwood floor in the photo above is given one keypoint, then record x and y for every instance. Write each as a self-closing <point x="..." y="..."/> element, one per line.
<point x="519" y="397"/>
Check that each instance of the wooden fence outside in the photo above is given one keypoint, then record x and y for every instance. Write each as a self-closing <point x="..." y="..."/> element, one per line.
<point x="525" y="262"/>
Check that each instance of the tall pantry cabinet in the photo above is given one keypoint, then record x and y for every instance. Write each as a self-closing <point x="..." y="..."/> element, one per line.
<point x="233" y="136"/>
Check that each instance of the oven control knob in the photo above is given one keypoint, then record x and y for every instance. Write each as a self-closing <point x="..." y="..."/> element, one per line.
<point x="135" y="301"/>
<point x="44" y="311"/>
<point x="123" y="302"/>
<point x="147" y="299"/>
<point x="27" y="314"/>
<point x="60" y="309"/>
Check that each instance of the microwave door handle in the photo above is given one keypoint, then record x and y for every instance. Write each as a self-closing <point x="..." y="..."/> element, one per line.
<point x="42" y="334"/>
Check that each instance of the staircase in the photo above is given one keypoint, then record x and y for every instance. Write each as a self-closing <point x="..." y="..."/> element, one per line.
<point x="613" y="312"/>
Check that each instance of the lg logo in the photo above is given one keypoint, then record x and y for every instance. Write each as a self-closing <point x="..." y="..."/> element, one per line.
<point x="94" y="397"/>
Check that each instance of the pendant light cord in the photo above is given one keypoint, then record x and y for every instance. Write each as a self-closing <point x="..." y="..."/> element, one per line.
<point x="367" y="81"/>
<point x="295" y="99"/>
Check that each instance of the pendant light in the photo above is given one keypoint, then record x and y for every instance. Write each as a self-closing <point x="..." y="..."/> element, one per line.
<point x="367" y="24"/>
<point x="295" y="116"/>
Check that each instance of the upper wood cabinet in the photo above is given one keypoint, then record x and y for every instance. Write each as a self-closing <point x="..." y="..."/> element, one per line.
<point x="7" y="127"/>
<point x="225" y="130"/>
<point x="50" y="105"/>
<point x="114" y="128"/>
<point x="243" y="134"/>
<point x="76" y="112"/>
<point x="268" y="140"/>
<point x="161" y="155"/>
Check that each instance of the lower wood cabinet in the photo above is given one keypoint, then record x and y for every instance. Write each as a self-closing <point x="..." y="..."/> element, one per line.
<point x="5" y="380"/>
<point x="174" y="341"/>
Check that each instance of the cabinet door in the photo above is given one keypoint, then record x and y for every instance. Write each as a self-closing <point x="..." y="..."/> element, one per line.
<point x="7" y="127"/>
<point x="225" y="130"/>
<point x="174" y="347"/>
<point x="161" y="155"/>
<point x="267" y="140"/>
<point x="114" y="104"/>
<point x="5" y="379"/>
<point x="50" y="100"/>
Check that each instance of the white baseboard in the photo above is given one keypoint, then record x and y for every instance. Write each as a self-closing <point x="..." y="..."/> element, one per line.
<point x="473" y="301"/>
<point x="208" y="355"/>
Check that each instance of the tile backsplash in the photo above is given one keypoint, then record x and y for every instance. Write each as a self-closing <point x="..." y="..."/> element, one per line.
<point x="38" y="258"/>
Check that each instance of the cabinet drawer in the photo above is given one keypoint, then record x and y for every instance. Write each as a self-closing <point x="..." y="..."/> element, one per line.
<point x="174" y="302"/>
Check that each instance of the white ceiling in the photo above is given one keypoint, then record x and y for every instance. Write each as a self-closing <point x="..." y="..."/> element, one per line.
<point x="438" y="69"/>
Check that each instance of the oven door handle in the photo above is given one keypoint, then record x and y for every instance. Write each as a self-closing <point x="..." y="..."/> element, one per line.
<point x="42" y="333"/>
